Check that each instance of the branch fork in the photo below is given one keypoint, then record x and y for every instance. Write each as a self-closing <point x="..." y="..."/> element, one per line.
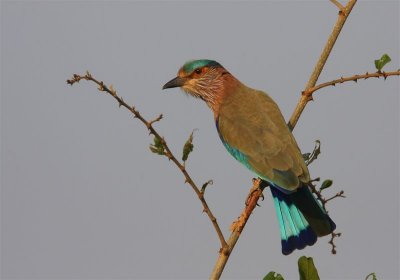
<point x="342" y="10"/>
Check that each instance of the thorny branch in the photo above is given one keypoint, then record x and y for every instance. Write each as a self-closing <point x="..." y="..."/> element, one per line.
<point x="308" y="93"/>
<point x="167" y="152"/>
<point x="311" y="157"/>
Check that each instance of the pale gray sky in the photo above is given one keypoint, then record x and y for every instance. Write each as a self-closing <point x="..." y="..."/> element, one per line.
<point x="81" y="195"/>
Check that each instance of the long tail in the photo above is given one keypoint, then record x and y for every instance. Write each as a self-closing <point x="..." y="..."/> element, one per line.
<point x="301" y="219"/>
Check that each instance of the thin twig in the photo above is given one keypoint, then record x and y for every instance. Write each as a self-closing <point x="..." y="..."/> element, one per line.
<point x="333" y="236"/>
<point x="156" y="119"/>
<point x="339" y="194"/>
<point x="321" y="198"/>
<point x="324" y="201"/>
<point x="149" y="124"/>
<point x="353" y="78"/>
<point x="321" y="63"/>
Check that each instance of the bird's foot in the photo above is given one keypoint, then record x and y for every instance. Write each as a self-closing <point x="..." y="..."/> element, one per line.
<point x="258" y="187"/>
<point x="262" y="198"/>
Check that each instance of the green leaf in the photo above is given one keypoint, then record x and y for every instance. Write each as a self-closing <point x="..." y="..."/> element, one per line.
<point x="307" y="269"/>
<point x="326" y="184"/>
<point x="205" y="185"/>
<point x="157" y="147"/>
<point x="380" y="63"/>
<point x="273" y="276"/>
<point x="188" y="147"/>
<point x="373" y="276"/>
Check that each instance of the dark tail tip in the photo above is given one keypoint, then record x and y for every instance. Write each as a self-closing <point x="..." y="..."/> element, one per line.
<point x="302" y="219"/>
<point x="307" y="237"/>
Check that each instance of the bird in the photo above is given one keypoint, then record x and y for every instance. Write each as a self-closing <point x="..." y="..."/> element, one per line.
<point x="253" y="130"/>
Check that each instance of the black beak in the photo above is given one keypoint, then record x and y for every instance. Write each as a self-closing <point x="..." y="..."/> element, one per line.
<point x="175" y="82"/>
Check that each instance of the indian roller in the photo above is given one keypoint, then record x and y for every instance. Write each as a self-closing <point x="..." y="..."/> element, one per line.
<point x="254" y="132"/>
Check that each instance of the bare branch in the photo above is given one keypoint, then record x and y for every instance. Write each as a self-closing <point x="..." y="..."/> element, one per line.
<point x="339" y="194"/>
<point x="354" y="78"/>
<point x="167" y="152"/>
<point x="238" y="226"/>
<point x="324" y="201"/>
<point x="320" y="197"/>
<point x="331" y="241"/>
<point x="321" y="62"/>
<point x="156" y="119"/>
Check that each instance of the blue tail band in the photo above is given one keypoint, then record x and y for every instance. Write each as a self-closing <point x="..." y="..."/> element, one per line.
<point x="296" y="232"/>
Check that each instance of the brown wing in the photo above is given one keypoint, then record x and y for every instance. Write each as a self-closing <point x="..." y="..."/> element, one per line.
<point x="251" y="122"/>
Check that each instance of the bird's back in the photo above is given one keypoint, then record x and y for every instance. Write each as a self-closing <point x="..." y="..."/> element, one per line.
<point x="251" y="124"/>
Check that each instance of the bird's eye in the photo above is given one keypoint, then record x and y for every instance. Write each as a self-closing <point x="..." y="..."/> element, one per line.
<point x="198" y="71"/>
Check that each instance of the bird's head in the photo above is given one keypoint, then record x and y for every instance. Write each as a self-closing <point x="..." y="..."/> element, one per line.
<point x="202" y="79"/>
